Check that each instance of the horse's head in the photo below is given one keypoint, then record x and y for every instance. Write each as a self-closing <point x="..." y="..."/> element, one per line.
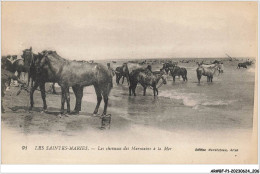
<point x="125" y="68"/>
<point x="220" y="68"/>
<point x="27" y="56"/>
<point x="40" y="61"/>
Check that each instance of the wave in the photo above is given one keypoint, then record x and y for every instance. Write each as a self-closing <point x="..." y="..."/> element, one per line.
<point x="193" y="100"/>
<point x="251" y="70"/>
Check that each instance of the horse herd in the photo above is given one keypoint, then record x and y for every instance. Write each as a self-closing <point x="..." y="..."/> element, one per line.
<point x="49" y="67"/>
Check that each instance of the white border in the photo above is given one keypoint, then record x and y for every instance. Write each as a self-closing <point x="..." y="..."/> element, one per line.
<point x="129" y="168"/>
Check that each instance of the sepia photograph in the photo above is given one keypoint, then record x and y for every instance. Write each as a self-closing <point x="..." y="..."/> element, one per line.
<point x="129" y="82"/>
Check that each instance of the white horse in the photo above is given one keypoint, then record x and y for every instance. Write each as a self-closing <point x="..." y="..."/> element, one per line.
<point x="208" y="70"/>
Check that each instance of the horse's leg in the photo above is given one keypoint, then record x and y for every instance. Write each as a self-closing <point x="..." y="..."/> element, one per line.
<point x="144" y="90"/>
<point x="117" y="79"/>
<point x="76" y="92"/>
<point x="173" y="78"/>
<point x="123" y="80"/>
<point x="105" y="93"/>
<point x="127" y="78"/>
<point x="62" y="99"/>
<point x="28" y="80"/>
<point x="35" y="86"/>
<point x="43" y="94"/>
<point x="135" y="89"/>
<point x="154" y="90"/>
<point x="99" y="98"/>
<point x="130" y="90"/>
<point x="199" y="77"/>
<point x="80" y="91"/>
<point x="53" y="88"/>
<point x="211" y="78"/>
<point x="67" y="98"/>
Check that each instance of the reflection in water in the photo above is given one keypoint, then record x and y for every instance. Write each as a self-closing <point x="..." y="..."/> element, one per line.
<point x="225" y="103"/>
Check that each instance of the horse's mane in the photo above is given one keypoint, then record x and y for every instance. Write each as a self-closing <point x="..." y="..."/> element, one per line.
<point x="53" y="54"/>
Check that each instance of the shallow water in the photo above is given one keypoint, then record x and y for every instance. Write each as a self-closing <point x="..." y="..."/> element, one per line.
<point x="225" y="103"/>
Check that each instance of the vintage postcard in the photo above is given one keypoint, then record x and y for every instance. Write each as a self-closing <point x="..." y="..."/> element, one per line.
<point x="129" y="82"/>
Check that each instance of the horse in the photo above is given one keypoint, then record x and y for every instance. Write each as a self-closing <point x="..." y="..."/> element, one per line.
<point x="122" y="71"/>
<point x="244" y="65"/>
<point x="23" y="65"/>
<point x="29" y="55"/>
<point x="208" y="70"/>
<point x="50" y="67"/>
<point x="166" y="66"/>
<point x="178" y="71"/>
<point x="146" y="78"/>
<point x="129" y="67"/>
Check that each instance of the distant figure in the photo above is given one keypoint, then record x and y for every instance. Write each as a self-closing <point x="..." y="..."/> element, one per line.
<point x="243" y="65"/>
<point x="111" y="71"/>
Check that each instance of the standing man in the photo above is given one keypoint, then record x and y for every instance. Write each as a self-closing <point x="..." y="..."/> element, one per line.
<point x="112" y="72"/>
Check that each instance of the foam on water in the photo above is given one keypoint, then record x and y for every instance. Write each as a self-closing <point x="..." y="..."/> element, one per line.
<point x="193" y="100"/>
<point x="251" y="70"/>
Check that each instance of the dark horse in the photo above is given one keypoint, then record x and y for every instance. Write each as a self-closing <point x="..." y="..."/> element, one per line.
<point x="122" y="71"/>
<point x="50" y="67"/>
<point x="166" y="66"/>
<point x="243" y="65"/>
<point x="177" y="71"/>
<point x="30" y="56"/>
<point x="147" y="79"/>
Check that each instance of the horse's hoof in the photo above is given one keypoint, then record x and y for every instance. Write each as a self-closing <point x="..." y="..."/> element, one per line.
<point x="43" y="111"/>
<point x="95" y="112"/>
<point x="60" y="115"/>
<point x="75" y="112"/>
<point x="95" y="115"/>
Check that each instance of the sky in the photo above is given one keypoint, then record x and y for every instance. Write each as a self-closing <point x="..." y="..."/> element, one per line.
<point x="113" y="30"/>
